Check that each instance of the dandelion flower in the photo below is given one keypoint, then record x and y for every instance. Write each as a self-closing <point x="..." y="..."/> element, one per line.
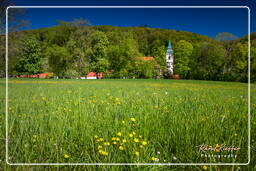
<point x="66" y="156"/>
<point x="137" y="153"/>
<point x="106" y="143"/>
<point x="131" y="135"/>
<point x="123" y="122"/>
<point x="136" y="140"/>
<point x="119" y="134"/>
<point x="205" y="167"/>
<point x="140" y="136"/>
<point x="113" y="139"/>
<point x="121" y="148"/>
<point x="117" y="139"/>
<point x="114" y="142"/>
<point x="104" y="153"/>
<point x="99" y="146"/>
<point x="101" y="139"/>
<point x="96" y="136"/>
<point x="124" y="140"/>
<point x="133" y="119"/>
<point x="144" y="143"/>
<point x="153" y="158"/>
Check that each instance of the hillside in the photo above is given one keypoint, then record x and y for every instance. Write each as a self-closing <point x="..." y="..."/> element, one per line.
<point x="74" y="50"/>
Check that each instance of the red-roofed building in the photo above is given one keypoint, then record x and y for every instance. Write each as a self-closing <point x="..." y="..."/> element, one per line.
<point x="93" y="75"/>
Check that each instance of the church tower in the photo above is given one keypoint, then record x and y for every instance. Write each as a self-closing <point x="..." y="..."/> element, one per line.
<point x="169" y="59"/>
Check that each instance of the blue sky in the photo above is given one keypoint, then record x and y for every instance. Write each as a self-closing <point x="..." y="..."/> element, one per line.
<point x="208" y="21"/>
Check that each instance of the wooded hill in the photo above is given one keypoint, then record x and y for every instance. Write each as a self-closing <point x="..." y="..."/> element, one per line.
<point x="72" y="49"/>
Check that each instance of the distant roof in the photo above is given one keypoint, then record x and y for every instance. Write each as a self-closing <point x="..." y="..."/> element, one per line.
<point x="148" y="58"/>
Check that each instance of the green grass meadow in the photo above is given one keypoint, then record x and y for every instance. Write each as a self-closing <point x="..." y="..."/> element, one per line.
<point x="126" y="121"/>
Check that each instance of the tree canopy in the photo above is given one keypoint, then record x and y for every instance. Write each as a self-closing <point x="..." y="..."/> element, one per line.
<point x="75" y="48"/>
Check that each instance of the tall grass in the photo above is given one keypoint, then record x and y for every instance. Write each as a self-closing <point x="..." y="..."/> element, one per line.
<point x="63" y="120"/>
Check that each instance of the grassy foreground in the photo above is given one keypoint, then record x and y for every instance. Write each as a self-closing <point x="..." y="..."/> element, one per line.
<point x="126" y="121"/>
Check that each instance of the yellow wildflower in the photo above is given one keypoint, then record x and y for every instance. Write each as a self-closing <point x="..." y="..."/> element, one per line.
<point x="144" y="143"/>
<point x="131" y="135"/>
<point x="96" y="136"/>
<point x="123" y="122"/>
<point x="136" y="140"/>
<point x="101" y="139"/>
<point x="121" y="148"/>
<point x="205" y="167"/>
<point x="124" y="140"/>
<point x="114" y="142"/>
<point x="105" y="153"/>
<point x="106" y="143"/>
<point x="99" y="146"/>
<point x="119" y="134"/>
<point x="133" y="119"/>
<point x="113" y="139"/>
<point x="153" y="158"/>
<point x="66" y="156"/>
<point x="137" y="153"/>
<point x="140" y="136"/>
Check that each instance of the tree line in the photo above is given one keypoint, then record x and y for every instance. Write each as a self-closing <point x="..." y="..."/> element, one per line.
<point x="72" y="49"/>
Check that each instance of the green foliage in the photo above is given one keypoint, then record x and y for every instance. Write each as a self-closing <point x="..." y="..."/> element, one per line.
<point x="30" y="59"/>
<point x="58" y="59"/>
<point x="102" y="65"/>
<point x="99" y="44"/>
<point x="182" y="52"/>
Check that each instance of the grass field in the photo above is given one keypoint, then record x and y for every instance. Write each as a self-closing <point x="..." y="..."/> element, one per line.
<point x="126" y="121"/>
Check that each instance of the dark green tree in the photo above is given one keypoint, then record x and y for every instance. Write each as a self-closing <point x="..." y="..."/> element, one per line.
<point x="59" y="59"/>
<point x="30" y="59"/>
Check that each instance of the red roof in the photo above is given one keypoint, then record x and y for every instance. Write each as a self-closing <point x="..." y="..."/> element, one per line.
<point x="43" y="75"/>
<point x="148" y="58"/>
<point x="91" y="74"/>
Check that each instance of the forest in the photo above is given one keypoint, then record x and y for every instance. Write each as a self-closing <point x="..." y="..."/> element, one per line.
<point x="72" y="49"/>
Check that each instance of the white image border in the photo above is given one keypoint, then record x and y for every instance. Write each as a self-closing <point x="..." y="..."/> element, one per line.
<point x="6" y="105"/>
